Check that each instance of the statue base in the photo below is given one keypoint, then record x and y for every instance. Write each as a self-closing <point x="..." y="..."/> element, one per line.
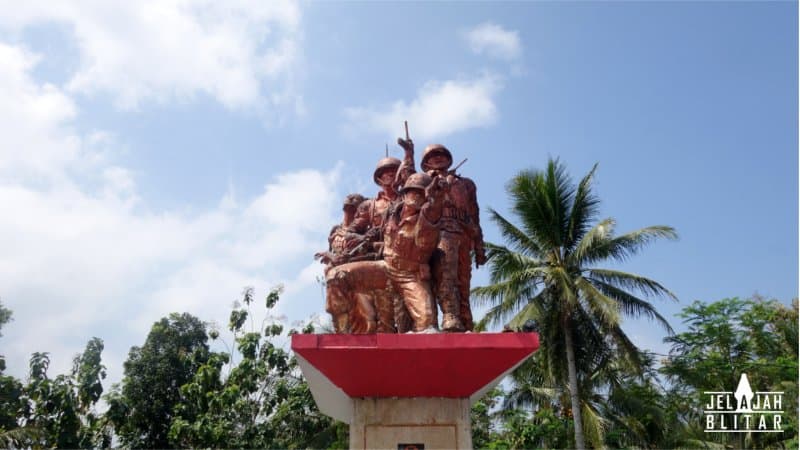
<point x="413" y="390"/>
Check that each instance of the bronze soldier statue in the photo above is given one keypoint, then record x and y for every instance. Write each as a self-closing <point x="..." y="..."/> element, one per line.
<point x="460" y="235"/>
<point x="411" y="235"/>
<point x="345" y="246"/>
<point x="389" y="174"/>
<point x="370" y="220"/>
<point x="357" y="280"/>
<point x="396" y="256"/>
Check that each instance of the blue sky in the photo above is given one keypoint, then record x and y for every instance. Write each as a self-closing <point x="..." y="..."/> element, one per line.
<point x="160" y="156"/>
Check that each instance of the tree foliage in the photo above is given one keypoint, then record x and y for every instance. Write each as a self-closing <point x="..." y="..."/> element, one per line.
<point x="5" y="316"/>
<point x="55" y="412"/>
<point x="725" y="339"/>
<point x="662" y="405"/>
<point x="142" y="409"/>
<point x="261" y="401"/>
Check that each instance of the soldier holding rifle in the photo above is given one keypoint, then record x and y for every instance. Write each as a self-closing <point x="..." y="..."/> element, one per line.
<point x="461" y="235"/>
<point x="345" y="247"/>
<point x="411" y="235"/>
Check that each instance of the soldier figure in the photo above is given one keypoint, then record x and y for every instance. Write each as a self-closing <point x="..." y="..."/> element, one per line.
<point x="371" y="214"/>
<point x="460" y="235"/>
<point x="344" y="246"/>
<point x="411" y="235"/>
<point x="370" y="220"/>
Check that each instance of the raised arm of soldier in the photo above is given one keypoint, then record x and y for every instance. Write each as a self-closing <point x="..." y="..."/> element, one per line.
<point x="407" y="166"/>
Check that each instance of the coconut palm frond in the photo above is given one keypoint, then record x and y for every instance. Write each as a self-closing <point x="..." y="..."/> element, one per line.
<point x="621" y="248"/>
<point x="629" y="281"/>
<point x="605" y="308"/>
<point x="597" y="236"/>
<point x="584" y="210"/>
<point x="633" y="306"/>
<point x="514" y="236"/>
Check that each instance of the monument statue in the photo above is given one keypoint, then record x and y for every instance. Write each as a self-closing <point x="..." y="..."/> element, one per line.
<point x="392" y="264"/>
<point x="397" y="256"/>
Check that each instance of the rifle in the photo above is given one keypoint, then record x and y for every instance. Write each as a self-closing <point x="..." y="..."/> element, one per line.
<point x="453" y="170"/>
<point x="356" y="248"/>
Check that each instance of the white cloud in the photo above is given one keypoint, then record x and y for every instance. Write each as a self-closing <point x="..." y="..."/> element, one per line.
<point x="38" y="143"/>
<point x="495" y="41"/>
<point x="440" y="108"/>
<point x="77" y="261"/>
<point x="243" y="53"/>
<point x="72" y="260"/>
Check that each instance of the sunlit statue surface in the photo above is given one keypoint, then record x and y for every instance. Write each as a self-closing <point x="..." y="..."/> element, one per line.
<point x="399" y="257"/>
<point x="461" y="236"/>
<point x="411" y="235"/>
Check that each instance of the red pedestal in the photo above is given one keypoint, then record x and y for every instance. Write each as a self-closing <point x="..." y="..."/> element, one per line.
<point x="340" y="367"/>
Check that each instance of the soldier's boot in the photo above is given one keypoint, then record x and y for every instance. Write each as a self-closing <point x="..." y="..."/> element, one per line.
<point x="341" y="322"/>
<point x="451" y="320"/>
<point x="466" y="316"/>
<point x="451" y="323"/>
<point x="385" y="306"/>
<point x="365" y="307"/>
<point x="401" y="318"/>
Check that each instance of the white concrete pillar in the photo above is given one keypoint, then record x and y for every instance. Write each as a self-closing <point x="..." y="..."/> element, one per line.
<point x="436" y="423"/>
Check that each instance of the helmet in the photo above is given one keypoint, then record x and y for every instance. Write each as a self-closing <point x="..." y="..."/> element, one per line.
<point x="384" y="164"/>
<point x="435" y="149"/>
<point x="419" y="180"/>
<point x="353" y="200"/>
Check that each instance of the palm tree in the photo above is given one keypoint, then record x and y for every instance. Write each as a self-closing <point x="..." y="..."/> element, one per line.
<point x="548" y="275"/>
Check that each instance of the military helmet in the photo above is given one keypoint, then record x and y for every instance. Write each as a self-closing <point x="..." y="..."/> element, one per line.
<point x="435" y="149"/>
<point x="384" y="164"/>
<point x="353" y="200"/>
<point x="419" y="180"/>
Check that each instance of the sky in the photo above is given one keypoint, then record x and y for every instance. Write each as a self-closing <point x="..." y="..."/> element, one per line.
<point x="160" y="156"/>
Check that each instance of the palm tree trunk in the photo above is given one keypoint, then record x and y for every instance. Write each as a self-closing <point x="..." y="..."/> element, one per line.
<point x="573" y="386"/>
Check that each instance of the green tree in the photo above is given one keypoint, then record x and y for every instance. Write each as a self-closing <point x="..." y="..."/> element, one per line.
<point x="725" y="339"/>
<point x="548" y="275"/>
<point x="11" y="390"/>
<point x="141" y="410"/>
<point x="54" y="412"/>
<point x="5" y="316"/>
<point x="482" y="418"/>
<point x="263" y="402"/>
<point x="636" y="411"/>
<point x="59" y="412"/>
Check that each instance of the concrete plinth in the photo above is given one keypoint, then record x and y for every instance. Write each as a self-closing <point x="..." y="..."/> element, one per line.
<point x="396" y="389"/>
<point x="435" y="423"/>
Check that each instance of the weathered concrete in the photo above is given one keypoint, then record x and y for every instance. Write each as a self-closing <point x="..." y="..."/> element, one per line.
<point x="437" y="423"/>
